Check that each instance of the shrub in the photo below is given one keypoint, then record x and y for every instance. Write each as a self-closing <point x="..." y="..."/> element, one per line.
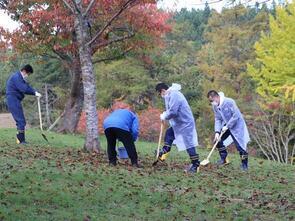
<point x="150" y="124"/>
<point x="102" y="114"/>
<point x="149" y="121"/>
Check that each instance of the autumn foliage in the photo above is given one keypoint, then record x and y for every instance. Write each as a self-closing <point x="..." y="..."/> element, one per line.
<point x="149" y="121"/>
<point x="48" y="27"/>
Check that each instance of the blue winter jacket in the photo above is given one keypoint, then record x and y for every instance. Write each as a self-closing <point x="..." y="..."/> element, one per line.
<point x="123" y="119"/>
<point x="16" y="86"/>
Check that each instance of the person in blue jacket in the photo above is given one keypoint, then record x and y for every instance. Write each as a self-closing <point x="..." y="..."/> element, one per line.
<point x="230" y="121"/>
<point x="16" y="88"/>
<point x="121" y="125"/>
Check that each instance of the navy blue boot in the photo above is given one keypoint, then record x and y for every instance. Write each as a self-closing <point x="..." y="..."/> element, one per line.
<point x="20" y="138"/>
<point x="223" y="156"/>
<point x="244" y="160"/>
<point x="194" y="166"/>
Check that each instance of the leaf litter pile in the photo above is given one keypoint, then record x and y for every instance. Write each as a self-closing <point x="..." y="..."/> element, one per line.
<point x="56" y="179"/>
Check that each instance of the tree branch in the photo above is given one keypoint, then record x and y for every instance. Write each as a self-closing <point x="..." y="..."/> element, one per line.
<point x="90" y="5"/>
<point x="62" y="56"/>
<point x="292" y="155"/>
<point x="277" y="138"/>
<point x="3" y="4"/>
<point x="117" y="14"/>
<point x="116" y="40"/>
<point x="52" y="56"/>
<point x="255" y="137"/>
<point x="271" y="135"/>
<point x="112" y="58"/>
<point x="69" y="6"/>
<point x="76" y="6"/>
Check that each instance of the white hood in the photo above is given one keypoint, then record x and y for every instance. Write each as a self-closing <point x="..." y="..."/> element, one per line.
<point x="221" y="95"/>
<point x="174" y="87"/>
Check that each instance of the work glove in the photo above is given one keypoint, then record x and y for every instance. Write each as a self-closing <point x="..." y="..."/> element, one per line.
<point x="224" y="129"/>
<point x="216" y="137"/>
<point x="37" y="94"/>
<point x="163" y="116"/>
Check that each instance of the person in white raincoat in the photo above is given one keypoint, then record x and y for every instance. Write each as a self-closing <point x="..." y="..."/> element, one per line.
<point x="183" y="130"/>
<point x="228" y="119"/>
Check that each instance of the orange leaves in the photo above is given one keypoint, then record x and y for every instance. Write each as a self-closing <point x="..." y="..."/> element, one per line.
<point x="42" y="25"/>
<point x="3" y="39"/>
<point x="149" y="121"/>
<point x="102" y="114"/>
<point x="151" y="21"/>
<point x="120" y="105"/>
<point x="50" y="24"/>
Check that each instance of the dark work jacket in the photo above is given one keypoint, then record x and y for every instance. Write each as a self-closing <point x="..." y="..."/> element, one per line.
<point x="17" y="87"/>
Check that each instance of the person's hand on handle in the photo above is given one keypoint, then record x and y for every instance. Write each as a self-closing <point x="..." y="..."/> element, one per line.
<point x="224" y="129"/>
<point x="216" y="137"/>
<point x="37" y="94"/>
<point x="163" y="116"/>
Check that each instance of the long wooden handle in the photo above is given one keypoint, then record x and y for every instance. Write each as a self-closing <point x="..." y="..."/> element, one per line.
<point x="160" y="139"/>
<point x="39" y="111"/>
<point x="219" y="138"/>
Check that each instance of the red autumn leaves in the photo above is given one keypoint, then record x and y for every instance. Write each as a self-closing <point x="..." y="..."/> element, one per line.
<point x="149" y="121"/>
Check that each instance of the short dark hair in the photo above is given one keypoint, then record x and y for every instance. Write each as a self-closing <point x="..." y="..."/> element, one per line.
<point x="161" y="86"/>
<point x="212" y="93"/>
<point x="27" y="68"/>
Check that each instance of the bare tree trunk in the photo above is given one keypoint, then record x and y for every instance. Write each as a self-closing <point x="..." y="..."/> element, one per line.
<point x="89" y="85"/>
<point x="74" y="105"/>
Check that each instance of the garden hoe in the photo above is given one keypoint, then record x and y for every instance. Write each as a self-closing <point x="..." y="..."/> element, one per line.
<point x="40" y="119"/>
<point x="159" y="144"/>
<point x="206" y="161"/>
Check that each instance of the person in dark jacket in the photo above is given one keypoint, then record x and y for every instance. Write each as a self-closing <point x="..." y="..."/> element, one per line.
<point x="16" y="88"/>
<point x="121" y="125"/>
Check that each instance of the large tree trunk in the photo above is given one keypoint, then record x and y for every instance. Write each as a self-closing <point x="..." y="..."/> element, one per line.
<point x="89" y="85"/>
<point x="74" y="105"/>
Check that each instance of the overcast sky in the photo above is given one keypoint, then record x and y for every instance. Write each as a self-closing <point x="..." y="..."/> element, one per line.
<point x="189" y="4"/>
<point x="6" y="22"/>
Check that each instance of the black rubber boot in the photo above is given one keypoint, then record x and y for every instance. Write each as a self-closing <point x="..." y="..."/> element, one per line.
<point x="195" y="163"/>
<point x="137" y="166"/>
<point x="113" y="163"/>
<point x="244" y="160"/>
<point x="21" y="137"/>
<point x="223" y="156"/>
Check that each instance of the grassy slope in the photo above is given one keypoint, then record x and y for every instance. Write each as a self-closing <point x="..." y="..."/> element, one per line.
<point x="60" y="182"/>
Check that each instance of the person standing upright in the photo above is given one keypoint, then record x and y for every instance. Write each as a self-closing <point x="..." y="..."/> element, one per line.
<point x="230" y="121"/>
<point x="16" y="89"/>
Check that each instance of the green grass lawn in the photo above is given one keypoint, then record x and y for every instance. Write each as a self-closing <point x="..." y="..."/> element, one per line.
<point x="58" y="181"/>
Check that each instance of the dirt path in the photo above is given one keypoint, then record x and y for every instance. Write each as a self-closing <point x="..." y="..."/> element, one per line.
<point x="6" y="121"/>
